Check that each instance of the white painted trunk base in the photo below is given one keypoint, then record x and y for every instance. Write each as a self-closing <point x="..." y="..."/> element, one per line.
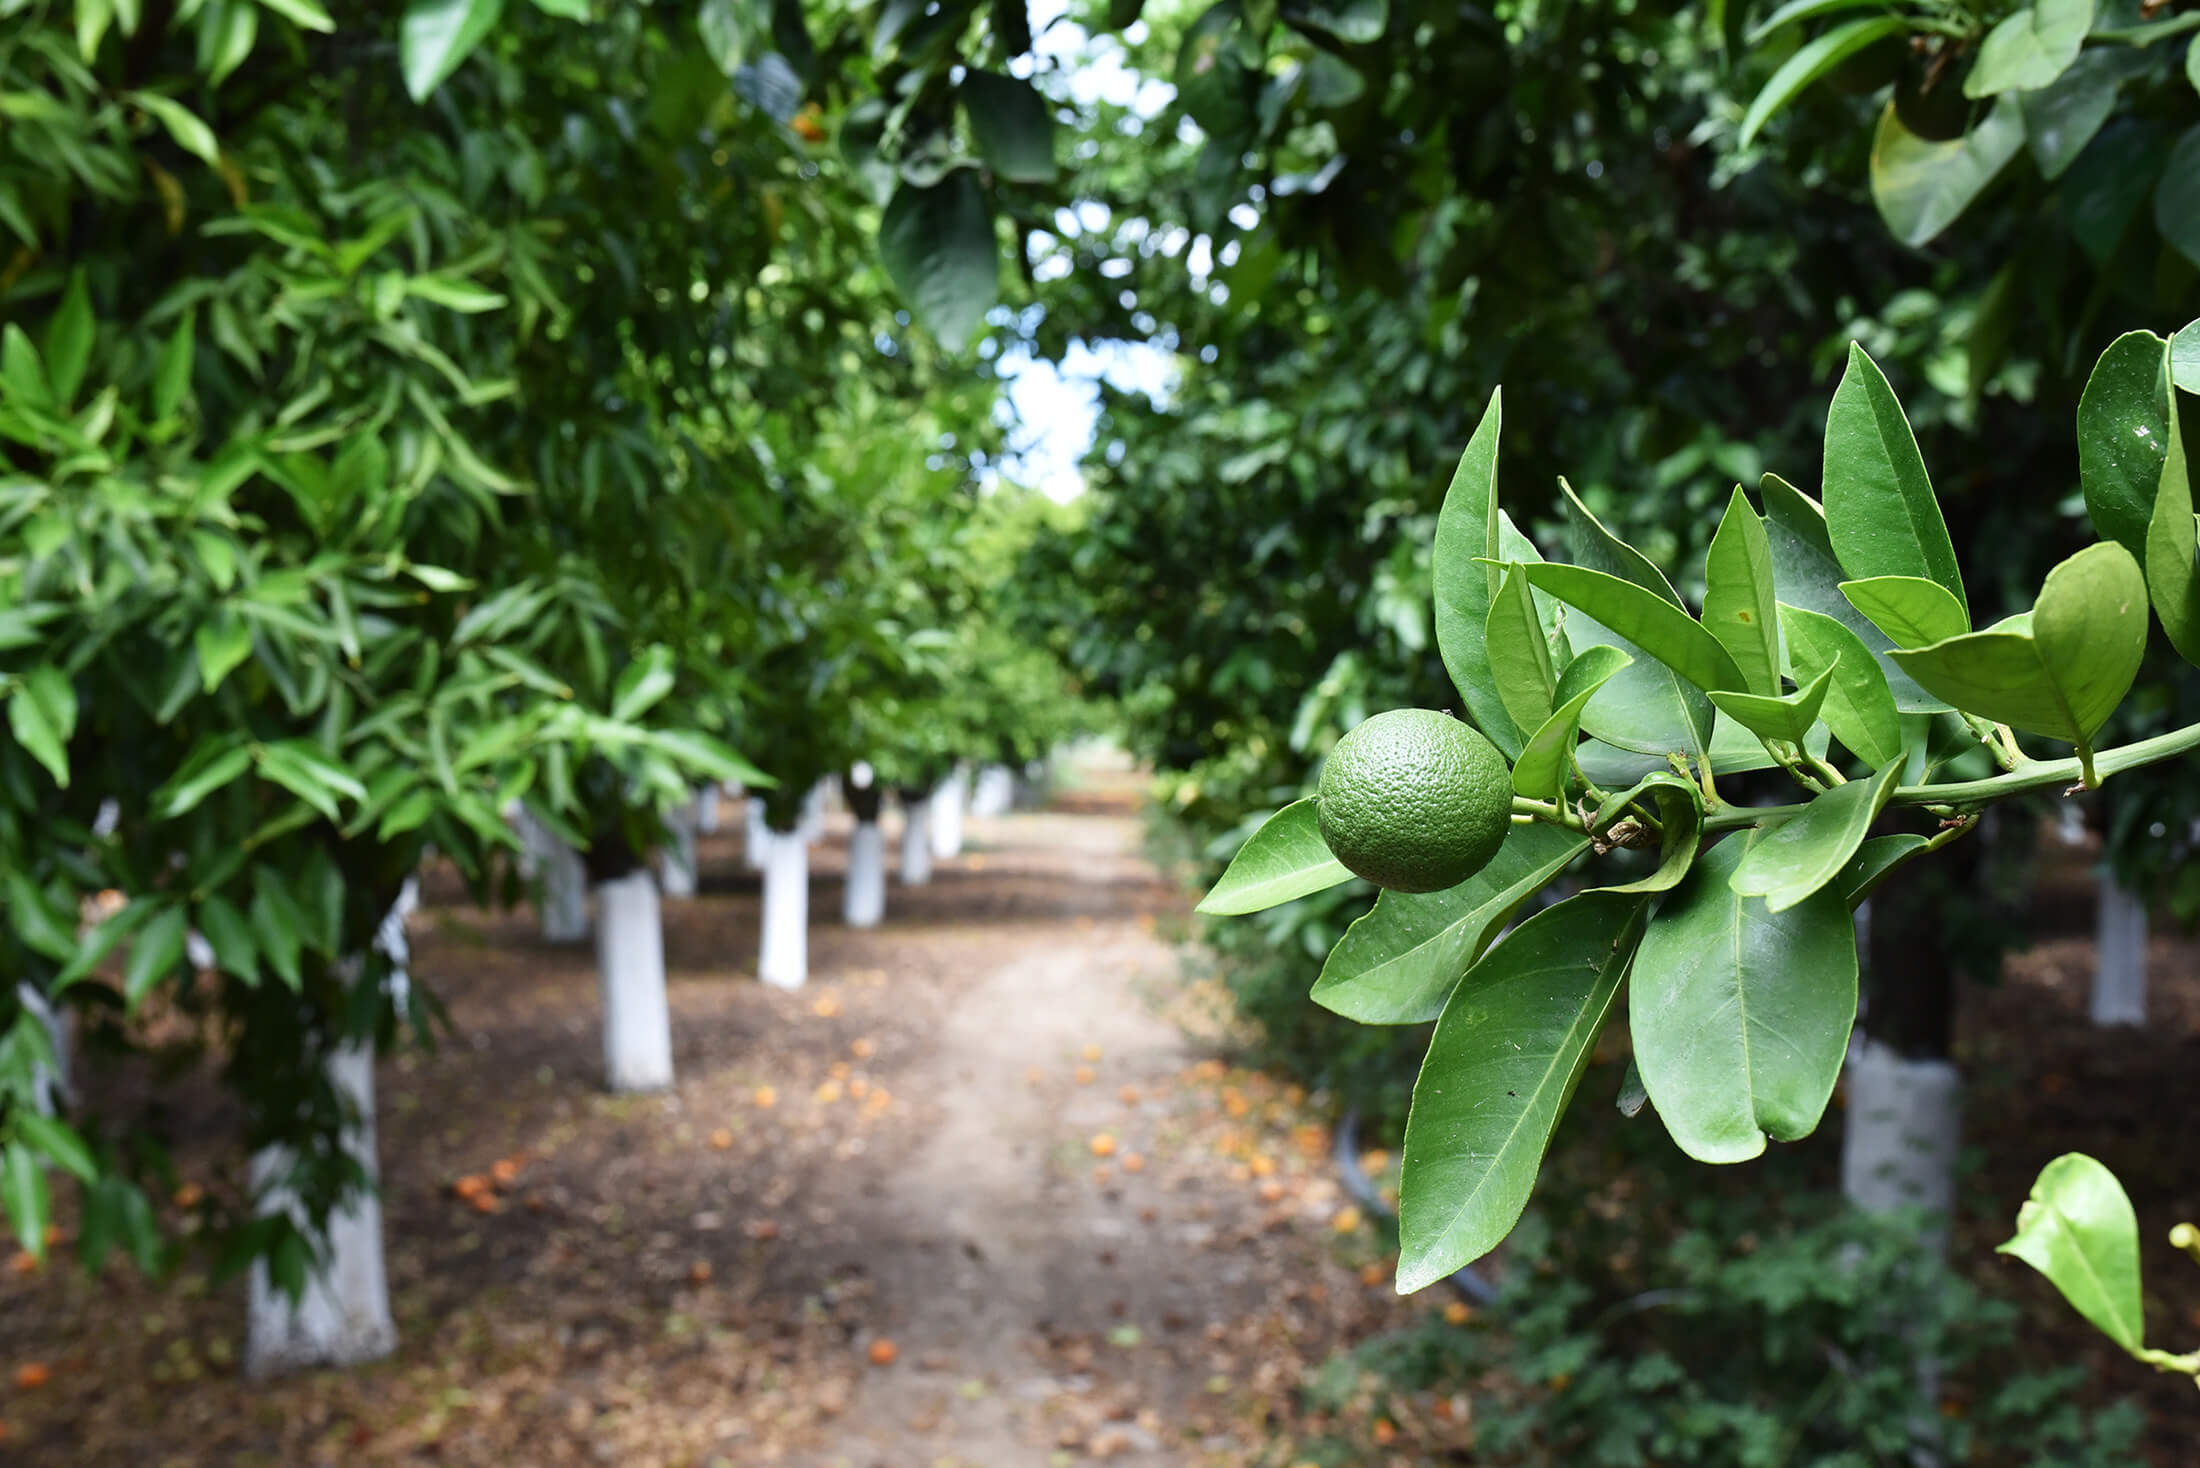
<point x="343" y="1316"/>
<point x="863" y="904"/>
<point x="783" y="957"/>
<point x="706" y="809"/>
<point x="676" y="862"/>
<point x="754" y="833"/>
<point x="630" y="964"/>
<point x="2120" y="980"/>
<point x="1904" y="1123"/>
<point x="564" y="892"/>
<point x="916" y="844"/>
<point x="993" y="793"/>
<point x="947" y="817"/>
<point x="812" y="824"/>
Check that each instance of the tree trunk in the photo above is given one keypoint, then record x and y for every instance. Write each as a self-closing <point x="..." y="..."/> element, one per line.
<point x="783" y="959"/>
<point x="864" y="901"/>
<point x="916" y="841"/>
<point x="2120" y="973"/>
<point x="564" y="892"/>
<point x="755" y="832"/>
<point x="676" y="862"/>
<point x="994" y="792"/>
<point x="630" y="962"/>
<point x="706" y="809"/>
<point x="343" y="1315"/>
<point x="812" y="824"/>
<point x="947" y="816"/>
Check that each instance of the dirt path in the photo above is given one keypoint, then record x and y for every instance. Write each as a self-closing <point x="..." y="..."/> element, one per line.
<point x="972" y="1150"/>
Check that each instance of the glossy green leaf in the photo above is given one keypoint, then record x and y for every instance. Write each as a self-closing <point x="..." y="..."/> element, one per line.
<point x="59" y="1141"/>
<point x="1507" y="1053"/>
<point x="1789" y="716"/>
<point x="643" y="684"/>
<point x="1285" y="860"/>
<point x="1812" y="60"/>
<point x="1540" y="772"/>
<point x="1733" y="750"/>
<point x="279" y="927"/>
<point x="1805" y="852"/>
<point x="1660" y="629"/>
<point x="2173" y="585"/>
<point x="1809" y="577"/>
<point x="23" y="1191"/>
<point x="1880" y="511"/>
<point x="436" y="36"/>
<point x="2124" y="437"/>
<point x="299" y="766"/>
<point x="42" y="716"/>
<point x="1397" y="964"/>
<point x="1679" y="803"/>
<point x="155" y="953"/>
<point x="2078" y="1229"/>
<point x="2184" y="351"/>
<point x="2062" y="672"/>
<point x="222" y="641"/>
<point x="1738" y="602"/>
<point x="1741" y="1016"/>
<point x="191" y="134"/>
<point x="2029" y="49"/>
<point x="1858" y="707"/>
<point x="1795" y="12"/>
<point x="230" y="936"/>
<point x="1519" y="657"/>
<point x="1923" y="186"/>
<point x="1873" y="861"/>
<point x="1355" y="22"/>
<point x="69" y="339"/>
<point x="1909" y="609"/>
<point x="1013" y="126"/>
<point x="1466" y="533"/>
<point x="306" y="14"/>
<point x="38" y="921"/>
<point x="940" y="250"/>
<point x="211" y="766"/>
<point x="1594" y="546"/>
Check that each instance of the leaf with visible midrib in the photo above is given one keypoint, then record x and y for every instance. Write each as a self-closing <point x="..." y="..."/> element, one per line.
<point x="1540" y="772"/>
<point x="1286" y="860"/>
<point x="1395" y="965"/>
<point x="940" y="250"/>
<point x="1881" y="515"/>
<point x="1805" y="852"/>
<point x="1858" y="707"/>
<point x="1738" y="596"/>
<point x="1740" y="1016"/>
<point x="1507" y="1053"/>
<point x="2078" y="1229"/>
<point x="1665" y="632"/>
<point x="1909" y="609"/>
<point x="1466" y="532"/>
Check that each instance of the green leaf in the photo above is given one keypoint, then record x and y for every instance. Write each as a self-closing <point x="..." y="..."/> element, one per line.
<point x="1507" y="1053"/>
<point x="1922" y="187"/>
<point x="301" y="767"/>
<point x="2172" y="584"/>
<point x="2029" y="49"/>
<point x="172" y="374"/>
<point x="23" y="1190"/>
<point x="1355" y="22"/>
<point x="643" y="685"/>
<point x="2078" y="1229"/>
<point x="230" y="936"/>
<point x="1738" y="603"/>
<point x="1796" y="858"/>
<point x="2125" y="429"/>
<point x="1794" y="12"/>
<point x="1467" y="534"/>
<point x="1873" y="860"/>
<point x="940" y="250"/>
<point x="279" y="925"/>
<point x="103" y="940"/>
<point x="453" y="293"/>
<point x="1809" y="577"/>
<point x="437" y="35"/>
<point x="1858" y="707"/>
<point x="42" y="716"/>
<point x="1811" y="61"/>
<point x="222" y="641"/>
<point x="201" y="776"/>
<point x="1013" y="126"/>
<point x="1285" y="860"/>
<point x="564" y="9"/>
<point x="1644" y="619"/>
<point x="58" y="1140"/>
<point x="1789" y="716"/>
<point x="2059" y="670"/>
<point x="1540" y="772"/>
<point x="191" y="135"/>
<point x="1599" y="549"/>
<point x="2060" y="119"/>
<point x="707" y="756"/>
<point x="155" y="954"/>
<point x="2177" y="197"/>
<point x="307" y="14"/>
<point x="1880" y="511"/>
<point x="2184" y="350"/>
<point x="20" y="370"/>
<point x="69" y="339"/>
<point x="41" y="923"/>
<point x="1740" y="1016"/>
<point x="1680" y="816"/>
<point x="1397" y="964"/>
<point x="1519" y="658"/>
<point x="1909" y="609"/>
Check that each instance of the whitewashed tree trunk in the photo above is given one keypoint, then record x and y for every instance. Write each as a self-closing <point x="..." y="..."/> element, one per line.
<point x="630" y="964"/>
<point x="994" y="792"/>
<point x="754" y="832"/>
<point x="863" y="904"/>
<point x="1904" y="1123"/>
<point x="916" y="843"/>
<point x="947" y="816"/>
<point x="676" y="862"/>
<point x="783" y="957"/>
<point x="343" y="1316"/>
<point x="812" y="824"/>
<point x="706" y="809"/>
<point x="2120" y="975"/>
<point x="50" y="1084"/>
<point x="564" y="891"/>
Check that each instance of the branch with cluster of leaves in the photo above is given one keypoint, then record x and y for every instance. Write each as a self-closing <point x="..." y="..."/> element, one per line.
<point x="1835" y="643"/>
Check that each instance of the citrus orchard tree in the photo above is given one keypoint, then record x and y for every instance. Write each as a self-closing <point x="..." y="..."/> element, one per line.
<point x="1606" y="713"/>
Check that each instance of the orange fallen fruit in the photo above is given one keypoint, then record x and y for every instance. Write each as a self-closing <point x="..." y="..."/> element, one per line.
<point x="32" y="1375"/>
<point x="1084" y="1075"/>
<point x="1458" y="1312"/>
<point x="883" y="1352"/>
<point x="505" y="1170"/>
<point x="1103" y="1144"/>
<point x="1134" y="1162"/>
<point x="766" y="1097"/>
<point x="721" y="1139"/>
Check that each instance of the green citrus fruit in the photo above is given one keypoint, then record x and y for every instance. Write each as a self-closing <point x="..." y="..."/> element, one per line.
<point x="1416" y="801"/>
